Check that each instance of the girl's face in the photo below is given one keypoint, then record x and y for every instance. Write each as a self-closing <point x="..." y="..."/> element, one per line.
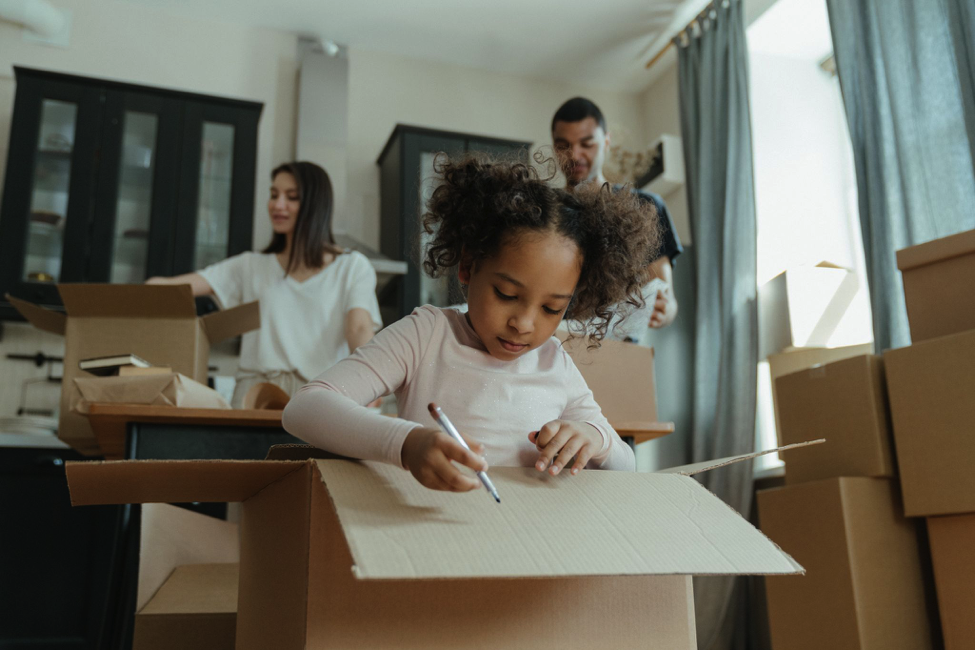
<point x="283" y="205"/>
<point x="517" y="298"/>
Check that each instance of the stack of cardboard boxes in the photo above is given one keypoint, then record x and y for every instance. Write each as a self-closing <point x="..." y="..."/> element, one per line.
<point x="900" y="449"/>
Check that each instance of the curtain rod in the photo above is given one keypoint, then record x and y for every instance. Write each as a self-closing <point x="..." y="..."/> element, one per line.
<point x="659" y="55"/>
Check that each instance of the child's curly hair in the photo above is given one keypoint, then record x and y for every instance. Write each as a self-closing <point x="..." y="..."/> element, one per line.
<point x="482" y="203"/>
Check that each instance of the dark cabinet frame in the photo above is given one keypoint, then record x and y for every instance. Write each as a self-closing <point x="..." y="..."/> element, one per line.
<point x="96" y="160"/>
<point x="400" y="209"/>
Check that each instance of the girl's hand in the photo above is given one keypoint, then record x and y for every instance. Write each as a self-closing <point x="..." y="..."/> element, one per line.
<point x="427" y="454"/>
<point x="561" y="440"/>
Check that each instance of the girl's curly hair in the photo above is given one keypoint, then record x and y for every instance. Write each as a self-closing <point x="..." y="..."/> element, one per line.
<point x="481" y="204"/>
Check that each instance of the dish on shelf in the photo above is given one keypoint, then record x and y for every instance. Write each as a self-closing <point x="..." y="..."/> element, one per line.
<point x="45" y="217"/>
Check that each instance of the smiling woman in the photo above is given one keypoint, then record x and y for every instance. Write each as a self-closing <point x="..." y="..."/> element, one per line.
<point x="318" y="303"/>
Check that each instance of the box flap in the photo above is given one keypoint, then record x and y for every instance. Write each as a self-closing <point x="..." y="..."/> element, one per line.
<point x="228" y="323"/>
<point x="296" y="451"/>
<point x="197" y="589"/>
<point x="594" y="523"/>
<point x="128" y="300"/>
<point x="698" y="468"/>
<point x="933" y="251"/>
<point x="43" y="319"/>
<point x="171" y="481"/>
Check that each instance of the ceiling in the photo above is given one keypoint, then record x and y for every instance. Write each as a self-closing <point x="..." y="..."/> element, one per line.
<point x="603" y="44"/>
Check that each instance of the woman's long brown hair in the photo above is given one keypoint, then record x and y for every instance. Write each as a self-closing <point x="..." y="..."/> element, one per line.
<point x="312" y="236"/>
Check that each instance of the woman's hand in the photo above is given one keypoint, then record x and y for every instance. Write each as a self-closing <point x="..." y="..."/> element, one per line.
<point x="560" y="441"/>
<point x="198" y="284"/>
<point x="428" y="454"/>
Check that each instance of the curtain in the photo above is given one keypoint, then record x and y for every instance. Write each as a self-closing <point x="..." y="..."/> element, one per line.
<point x="907" y="70"/>
<point x="716" y="131"/>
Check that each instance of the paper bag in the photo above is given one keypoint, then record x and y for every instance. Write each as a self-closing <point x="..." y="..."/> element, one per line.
<point x="171" y="389"/>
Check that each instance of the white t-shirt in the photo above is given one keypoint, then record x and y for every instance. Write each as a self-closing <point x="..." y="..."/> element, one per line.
<point x="302" y="323"/>
<point x="630" y="322"/>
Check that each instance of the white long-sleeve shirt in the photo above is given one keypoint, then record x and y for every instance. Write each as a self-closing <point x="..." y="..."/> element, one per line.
<point x="434" y="355"/>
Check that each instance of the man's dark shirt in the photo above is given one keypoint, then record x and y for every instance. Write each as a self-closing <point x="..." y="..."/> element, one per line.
<point x="669" y="241"/>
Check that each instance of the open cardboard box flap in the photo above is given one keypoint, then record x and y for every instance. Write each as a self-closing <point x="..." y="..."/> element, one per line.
<point x="698" y="468"/>
<point x="595" y="523"/>
<point x="42" y="318"/>
<point x="137" y="301"/>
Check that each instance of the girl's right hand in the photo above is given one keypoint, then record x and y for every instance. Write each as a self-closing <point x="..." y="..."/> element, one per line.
<point x="427" y="453"/>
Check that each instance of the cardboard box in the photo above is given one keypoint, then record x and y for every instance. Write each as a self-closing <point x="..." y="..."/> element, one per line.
<point x="157" y="323"/>
<point x="620" y="376"/>
<point x="953" y="554"/>
<point x="938" y="277"/>
<point x="187" y="591"/>
<point x="785" y="363"/>
<point x="196" y="608"/>
<point x="845" y="402"/>
<point x="812" y="307"/>
<point x="864" y="586"/>
<point x="340" y="554"/>
<point x="932" y="407"/>
<point x="161" y="389"/>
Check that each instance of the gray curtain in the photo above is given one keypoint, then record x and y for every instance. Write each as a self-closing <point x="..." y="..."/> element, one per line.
<point x="716" y="130"/>
<point x="907" y="70"/>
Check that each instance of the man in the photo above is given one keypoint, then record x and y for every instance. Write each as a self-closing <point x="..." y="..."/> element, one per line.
<point x="581" y="142"/>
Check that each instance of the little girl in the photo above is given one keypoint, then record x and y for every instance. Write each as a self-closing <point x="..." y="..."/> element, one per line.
<point x="529" y="255"/>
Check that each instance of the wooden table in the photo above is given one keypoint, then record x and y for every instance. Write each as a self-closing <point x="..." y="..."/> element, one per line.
<point x="640" y="432"/>
<point x="110" y="422"/>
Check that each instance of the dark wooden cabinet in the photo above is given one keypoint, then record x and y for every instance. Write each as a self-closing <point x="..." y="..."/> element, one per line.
<point x="406" y="182"/>
<point x="112" y="182"/>
<point x="57" y="563"/>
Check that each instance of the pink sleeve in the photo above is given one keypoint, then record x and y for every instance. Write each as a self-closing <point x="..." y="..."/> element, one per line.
<point x="328" y="412"/>
<point x="614" y="454"/>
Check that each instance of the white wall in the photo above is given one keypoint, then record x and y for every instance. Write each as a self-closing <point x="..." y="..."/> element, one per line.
<point x="385" y="90"/>
<point x="660" y="107"/>
<point x="130" y="42"/>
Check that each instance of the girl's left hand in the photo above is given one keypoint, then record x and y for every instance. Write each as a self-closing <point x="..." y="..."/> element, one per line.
<point x="561" y="440"/>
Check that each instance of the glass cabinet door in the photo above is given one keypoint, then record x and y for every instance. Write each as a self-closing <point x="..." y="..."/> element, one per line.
<point x="50" y="190"/>
<point x="216" y="204"/>
<point x="133" y="207"/>
<point x="47" y="187"/>
<point x="213" y="205"/>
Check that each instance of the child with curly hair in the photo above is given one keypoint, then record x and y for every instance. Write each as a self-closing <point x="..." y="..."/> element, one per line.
<point x="529" y="255"/>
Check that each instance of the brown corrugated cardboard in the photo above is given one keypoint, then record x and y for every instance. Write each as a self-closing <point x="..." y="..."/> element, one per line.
<point x="953" y="555"/>
<point x="171" y="536"/>
<point x="620" y="376"/>
<point x="786" y="363"/>
<point x="182" y="606"/>
<point x="340" y="553"/>
<point x="157" y="323"/>
<point x="195" y="609"/>
<point x="804" y="307"/>
<point x="938" y="277"/>
<point x="864" y="585"/>
<point x="162" y="389"/>
<point x="932" y="406"/>
<point x="845" y="401"/>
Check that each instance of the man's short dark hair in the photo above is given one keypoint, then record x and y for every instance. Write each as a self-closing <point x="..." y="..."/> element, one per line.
<point x="578" y="109"/>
